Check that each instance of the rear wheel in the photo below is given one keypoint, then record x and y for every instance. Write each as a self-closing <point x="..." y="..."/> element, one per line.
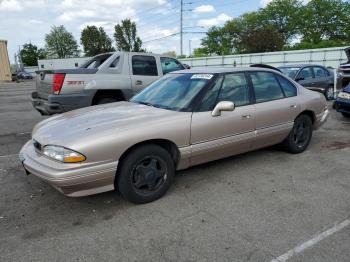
<point x="146" y="173"/>
<point x="347" y="115"/>
<point x="300" y="136"/>
<point x="329" y="93"/>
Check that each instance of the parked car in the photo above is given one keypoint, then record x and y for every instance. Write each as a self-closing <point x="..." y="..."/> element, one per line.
<point x="14" y="77"/>
<point x="118" y="78"/>
<point x="342" y="103"/>
<point x="344" y="72"/>
<point x="24" y="75"/>
<point x="184" y="119"/>
<point x="313" y="77"/>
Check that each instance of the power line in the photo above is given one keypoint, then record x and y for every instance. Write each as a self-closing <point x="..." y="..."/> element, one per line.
<point x="171" y="35"/>
<point x="160" y="38"/>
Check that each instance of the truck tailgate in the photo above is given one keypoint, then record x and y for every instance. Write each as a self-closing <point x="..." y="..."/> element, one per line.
<point x="44" y="81"/>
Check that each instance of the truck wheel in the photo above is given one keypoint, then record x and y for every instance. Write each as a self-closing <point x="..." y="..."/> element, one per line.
<point x="300" y="136"/>
<point x="106" y="100"/>
<point x="145" y="175"/>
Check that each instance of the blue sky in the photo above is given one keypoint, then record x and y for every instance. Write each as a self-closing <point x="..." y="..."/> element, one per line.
<point x="29" y="20"/>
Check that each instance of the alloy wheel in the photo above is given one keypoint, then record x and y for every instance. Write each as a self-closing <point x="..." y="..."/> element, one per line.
<point x="301" y="134"/>
<point x="148" y="175"/>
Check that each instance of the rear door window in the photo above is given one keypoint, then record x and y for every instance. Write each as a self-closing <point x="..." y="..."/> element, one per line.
<point x="144" y="65"/>
<point x="266" y="87"/>
<point x="320" y="72"/>
<point x="288" y="88"/>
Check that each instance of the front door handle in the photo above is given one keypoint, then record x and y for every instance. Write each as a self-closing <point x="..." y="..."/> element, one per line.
<point x="293" y="106"/>
<point x="138" y="82"/>
<point x="246" y="116"/>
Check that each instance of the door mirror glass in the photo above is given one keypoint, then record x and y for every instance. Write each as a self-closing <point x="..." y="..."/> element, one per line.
<point x="223" y="106"/>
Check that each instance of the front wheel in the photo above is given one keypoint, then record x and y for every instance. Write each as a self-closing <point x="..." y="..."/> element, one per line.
<point x="300" y="136"/>
<point x="146" y="174"/>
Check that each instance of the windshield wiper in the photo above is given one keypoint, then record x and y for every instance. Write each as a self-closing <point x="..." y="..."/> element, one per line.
<point x="144" y="103"/>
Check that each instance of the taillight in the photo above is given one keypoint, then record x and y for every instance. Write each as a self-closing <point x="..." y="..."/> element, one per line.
<point x="58" y="80"/>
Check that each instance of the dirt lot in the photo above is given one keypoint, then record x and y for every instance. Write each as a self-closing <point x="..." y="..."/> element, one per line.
<point x="259" y="206"/>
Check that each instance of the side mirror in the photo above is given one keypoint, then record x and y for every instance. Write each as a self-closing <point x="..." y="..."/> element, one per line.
<point x="186" y="66"/>
<point x="222" y="106"/>
<point x="299" y="79"/>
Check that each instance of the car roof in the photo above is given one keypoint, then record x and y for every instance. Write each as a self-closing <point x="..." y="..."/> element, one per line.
<point x="220" y="70"/>
<point x="299" y="65"/>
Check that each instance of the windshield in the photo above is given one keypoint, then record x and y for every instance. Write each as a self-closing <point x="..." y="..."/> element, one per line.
<point x="174" y="91"/>
<point x="289" y="71"/>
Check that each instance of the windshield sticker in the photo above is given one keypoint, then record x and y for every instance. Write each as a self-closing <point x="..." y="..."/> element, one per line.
<point x="202" y="76"/>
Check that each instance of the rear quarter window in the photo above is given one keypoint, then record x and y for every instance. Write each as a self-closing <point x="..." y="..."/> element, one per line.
<point x="288" y="88"/>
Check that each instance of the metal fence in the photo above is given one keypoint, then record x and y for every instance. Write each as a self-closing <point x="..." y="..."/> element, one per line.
<point x="329" y="57"/>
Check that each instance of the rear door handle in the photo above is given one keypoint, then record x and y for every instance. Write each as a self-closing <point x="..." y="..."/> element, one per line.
<point x="138" y="82"/>
<point x="246" y="116"/>
<point x="293" y="106"/>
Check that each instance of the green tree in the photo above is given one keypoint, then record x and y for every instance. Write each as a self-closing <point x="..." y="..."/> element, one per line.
<point x="285" y="16"/>
<point x="326" y="20"/>
<point x="265" y="39"/>
<point x="170" y="54"/>
<point x="95" y="41"/>
<point x="126" y="37"/>
<point x="60" y="43"/>
<point x="216" y="42"/>
<point x="199" y="52"/>
<point x="31" y="53"/>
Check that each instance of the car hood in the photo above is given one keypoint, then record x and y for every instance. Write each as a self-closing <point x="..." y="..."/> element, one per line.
<point x="66" y="128"/>
<point x="347" y="89"/>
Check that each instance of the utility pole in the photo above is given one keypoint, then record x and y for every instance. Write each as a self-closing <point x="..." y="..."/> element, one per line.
<point x="20" y="59"/>
<point x="189" y="47"/>
<point x="181" y="11"/>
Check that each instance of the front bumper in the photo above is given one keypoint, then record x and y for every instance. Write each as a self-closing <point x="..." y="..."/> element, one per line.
<point x="342" y="105"/>
<point x="321" y="119"/>
<point x="316" y="89"/>
<point x="76" y="179"/>
<point x="56" y="104"/>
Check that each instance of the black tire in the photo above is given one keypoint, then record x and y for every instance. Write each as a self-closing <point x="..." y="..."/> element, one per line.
<point x="300" y="136"/>
<point x="145" y="174"/>
<point x="329" y="93"/>
<point x="106" y="100"/>
<point x="347" y="115"/>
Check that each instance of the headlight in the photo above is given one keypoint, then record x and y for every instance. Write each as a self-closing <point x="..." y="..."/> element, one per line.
<point x="344" y="95"/>
<point x="63" y="154"/>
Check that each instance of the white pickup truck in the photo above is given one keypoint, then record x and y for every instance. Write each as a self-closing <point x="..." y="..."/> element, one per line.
<point x="104" y="79"/>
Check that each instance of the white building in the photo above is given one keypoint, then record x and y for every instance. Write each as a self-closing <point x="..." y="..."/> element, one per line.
<point x="329" y="57"/>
